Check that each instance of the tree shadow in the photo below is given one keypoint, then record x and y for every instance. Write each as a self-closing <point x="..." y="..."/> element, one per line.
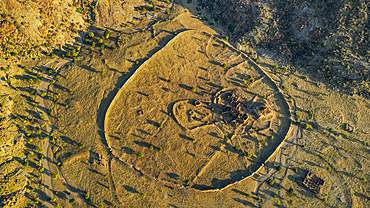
<point x="130" y="189"/>
<point x="173" y="175"/>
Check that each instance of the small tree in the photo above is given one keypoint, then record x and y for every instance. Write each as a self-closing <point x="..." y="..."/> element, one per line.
<point x="279" y="168"/>
<point x="87" y="196"/>
<point x="143" y="195"/>
<point x="193" y="89"/>
<point x="139" y="155"/>
<point x="91" y="34"/>
<point x="291" y="191"/>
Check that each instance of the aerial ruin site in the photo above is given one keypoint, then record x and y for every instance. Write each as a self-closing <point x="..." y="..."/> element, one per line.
<point x="184" y="103"/>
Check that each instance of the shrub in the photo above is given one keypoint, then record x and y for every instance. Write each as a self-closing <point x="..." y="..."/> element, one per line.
<point x="310" y="112"/>
<point x="249" y="155"/>
<point x="279" y="168"/>
<point x="306" y="126"/>
<point x="160" y="125"/>
<point x="292" y="201"/>
<point x="226" y="139"/>
<point x="364" y="179"/>
<point x="102" y="72"/>
<point x="331" y="129"/>
<point x="151" y="147"/>
<point x="72" y="201"/>
<point x="325" y="200"/>
<point x="226" y="38"/>
<point x="41" y="169"/>
<point x="271" y="137"/>
<point x="160" y="149"/>
<point x="143" y="195"/>
<point x="54" y="176"/>
<point x="224" y="65"/>
<point x="139" y="155"/>
<point x="207" y="122"/>
<point x="168" y="11"/>
<point x="87" y="196"/>
<point x="187" y="182"/>
<point x="291" y="191"/>
<point x="271" y="181"/>
<point x="237" y="147"/>
<point x="26" y="164"/>
<point x="193" y="89"/>
<point x="91" y="34"/>
<point x="81" y="145"/>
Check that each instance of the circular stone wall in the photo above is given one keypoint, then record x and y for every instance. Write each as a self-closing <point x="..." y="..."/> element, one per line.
<point x="198" y="112"/>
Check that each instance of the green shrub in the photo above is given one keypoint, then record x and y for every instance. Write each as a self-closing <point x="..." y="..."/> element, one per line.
<point x="329" y="169"/>
<point x="41" y="169"/>
<point x="139" y="155"/>
<point x="54" y="175"/>
<point x="325" y="200"/>
<point x="81" y="145"/>
<point x="226" y="139"/>
<point x="72" y="201"/>
<point x="364" y="179"/>
<point x="160" y="149"/>
<point x="187" y="182"/>
<point x="271" y="181"/>
<point x="224" y="65"/>
<point x="193" y="89"/>
<point x="151" y="147"/>
<point x="306" y="126"/>
<point x="249" y="155"/>
<point x="160" y="125"/>
<point x="237" y="147"/>
<point x="143" y="195"/>
<point x="279" y="168"/>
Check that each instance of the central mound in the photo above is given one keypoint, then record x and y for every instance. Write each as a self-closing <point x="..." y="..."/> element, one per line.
<point x="198" y="112"/>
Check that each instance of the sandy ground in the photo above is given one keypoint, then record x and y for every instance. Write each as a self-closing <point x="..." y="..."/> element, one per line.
<point x="339" y="156"/>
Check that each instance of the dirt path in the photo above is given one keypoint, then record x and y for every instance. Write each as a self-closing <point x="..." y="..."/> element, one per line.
<point x="280" y="160"/>
<point x="49" y="157"/>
